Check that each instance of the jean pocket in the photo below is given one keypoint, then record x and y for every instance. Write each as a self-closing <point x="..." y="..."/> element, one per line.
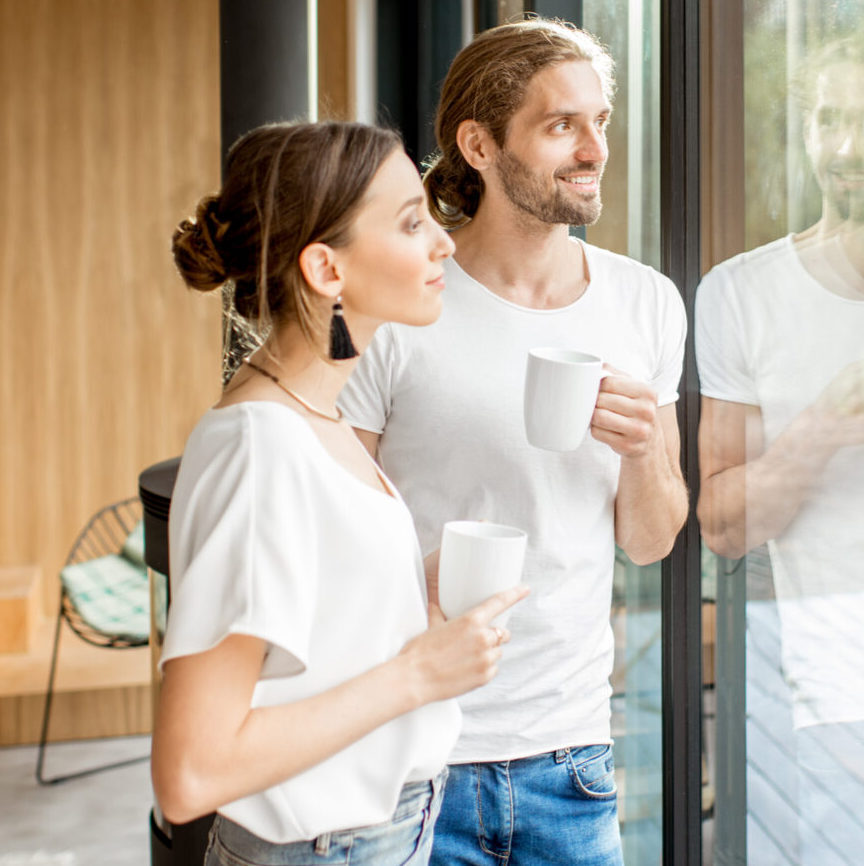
<point x="209" y="856"/>
<point x="407" y="838"/>
<point x="219" y="855"/>
<point x="592" y="771"/>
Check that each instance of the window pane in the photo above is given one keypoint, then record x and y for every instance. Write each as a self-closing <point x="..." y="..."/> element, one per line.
<point x="781" y="363"/>
<point x="631" y="225"/>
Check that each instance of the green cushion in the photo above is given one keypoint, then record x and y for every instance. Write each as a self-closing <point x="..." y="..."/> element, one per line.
<point x="111" y="594"/>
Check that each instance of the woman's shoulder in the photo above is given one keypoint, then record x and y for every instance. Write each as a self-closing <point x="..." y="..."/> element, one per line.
<point x="251" y="419"/>
<point x="258" y="436"/>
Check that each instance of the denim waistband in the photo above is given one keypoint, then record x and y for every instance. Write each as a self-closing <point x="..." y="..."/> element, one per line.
<point x="412" y="797"/>
<point x="414" y="793"/>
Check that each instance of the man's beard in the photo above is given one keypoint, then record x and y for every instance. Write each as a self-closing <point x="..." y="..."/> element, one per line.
<point x="849" y="205"/>
<point x="527" y="192"/>
<point x="846" y="194"/>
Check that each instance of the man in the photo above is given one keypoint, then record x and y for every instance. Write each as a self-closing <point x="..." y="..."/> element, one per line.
<point x="781" y="361"/>
<point x="522" y="134"/>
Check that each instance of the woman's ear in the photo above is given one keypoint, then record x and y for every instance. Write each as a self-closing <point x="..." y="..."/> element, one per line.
<point x="320" y="270"/>
<point x="476" y="144"/>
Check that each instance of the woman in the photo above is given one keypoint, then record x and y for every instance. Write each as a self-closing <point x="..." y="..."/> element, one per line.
<point x="304" y="692"/>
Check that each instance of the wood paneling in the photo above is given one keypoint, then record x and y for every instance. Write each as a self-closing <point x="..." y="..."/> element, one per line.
<point x="20" y="608"/>
<point x="81" y="666"/>
<point x="334" y="98"/>
<point x="98" y="692"/>
<point x="110" y="135"/>
<point x="81" y="715"/>
<point x="722" y="131"/>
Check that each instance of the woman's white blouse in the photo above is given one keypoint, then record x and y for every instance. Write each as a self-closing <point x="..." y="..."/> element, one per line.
<point x="271" y="537"/>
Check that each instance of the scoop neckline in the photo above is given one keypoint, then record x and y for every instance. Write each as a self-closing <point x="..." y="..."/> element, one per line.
<point x="822" y="289"/>
<point x="545" y="311"/>
<point x="390" y="491"/>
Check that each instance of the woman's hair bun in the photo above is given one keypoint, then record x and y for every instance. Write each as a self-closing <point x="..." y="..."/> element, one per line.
<point x="196" y="247"/>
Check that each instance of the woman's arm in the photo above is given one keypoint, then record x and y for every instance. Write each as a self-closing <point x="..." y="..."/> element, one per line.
<point x="210" y="748"/>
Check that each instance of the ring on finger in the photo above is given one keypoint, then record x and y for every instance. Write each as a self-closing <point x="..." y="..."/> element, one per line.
<point x="499" y="635"/>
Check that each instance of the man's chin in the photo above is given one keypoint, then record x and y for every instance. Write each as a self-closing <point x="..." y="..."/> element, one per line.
<point x="587" y="215"/>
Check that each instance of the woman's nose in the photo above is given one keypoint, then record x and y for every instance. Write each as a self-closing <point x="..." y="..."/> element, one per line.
<point x="444" y="245"/>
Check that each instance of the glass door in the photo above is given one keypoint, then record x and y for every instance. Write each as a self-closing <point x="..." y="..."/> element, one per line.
<point x="649" y="216"/>
<point x="630" y="224"/>
<point x="779" y="344"/>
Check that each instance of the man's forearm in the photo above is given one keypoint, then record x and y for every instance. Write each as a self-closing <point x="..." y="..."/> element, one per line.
<point x="747" y="505"/>
<point x="650" y="507"/>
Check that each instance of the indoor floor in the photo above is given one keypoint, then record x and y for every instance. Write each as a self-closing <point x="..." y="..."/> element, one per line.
<point x="98" y="820"/>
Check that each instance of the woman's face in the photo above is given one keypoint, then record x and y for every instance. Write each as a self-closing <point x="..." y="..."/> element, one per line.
<point x="392" y="266"/>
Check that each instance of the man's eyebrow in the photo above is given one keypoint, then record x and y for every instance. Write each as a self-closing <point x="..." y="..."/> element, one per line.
<point x="569" y="112"/>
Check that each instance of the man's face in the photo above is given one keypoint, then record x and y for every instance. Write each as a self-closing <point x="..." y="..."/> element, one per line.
<point x="555" y="151"/>
<point x="835" y="139"/>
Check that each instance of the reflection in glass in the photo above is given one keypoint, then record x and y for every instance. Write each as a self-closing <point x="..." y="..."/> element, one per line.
<point x="631" y="225"/>
<point x="781" y="362"/>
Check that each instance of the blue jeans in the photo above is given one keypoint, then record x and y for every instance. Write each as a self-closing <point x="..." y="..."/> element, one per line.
<point x="555" y="809"/>
<point x="406" y="840"/>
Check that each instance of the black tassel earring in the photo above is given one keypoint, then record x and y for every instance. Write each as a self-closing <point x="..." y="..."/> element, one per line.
<point x="341" y="347"/>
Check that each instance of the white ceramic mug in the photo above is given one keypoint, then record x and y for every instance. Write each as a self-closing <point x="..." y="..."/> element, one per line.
<point x="477" y="560"/>
<point x="561" y="387"/>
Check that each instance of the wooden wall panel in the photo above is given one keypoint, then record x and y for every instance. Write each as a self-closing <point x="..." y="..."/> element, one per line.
<point x="334" y="97"/>
<point x="722" y="132"/>
<point x="110" y="134"/>
<point x="81" y="715"/>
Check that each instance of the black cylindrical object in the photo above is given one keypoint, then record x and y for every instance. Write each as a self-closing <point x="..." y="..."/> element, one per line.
<point x="177" y="844"/>
<point x="264" y="64"/>
<point x="155" y="486"/>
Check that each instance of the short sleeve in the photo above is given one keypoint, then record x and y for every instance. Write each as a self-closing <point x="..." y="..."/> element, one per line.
<point x="721" y="358"/>
<point x="366" y="398"/>
<point x="673" y="337"/>
<point x="243" y="537"/>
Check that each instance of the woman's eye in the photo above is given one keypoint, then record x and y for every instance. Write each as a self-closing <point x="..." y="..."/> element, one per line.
<point x="413" y="226"/>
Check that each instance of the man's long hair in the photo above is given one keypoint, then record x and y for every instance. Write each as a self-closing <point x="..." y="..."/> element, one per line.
<point x="486" y="83"/>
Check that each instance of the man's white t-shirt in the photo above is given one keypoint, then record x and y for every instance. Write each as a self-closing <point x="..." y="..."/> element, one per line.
<point x="447" y="399"/>
<point x="769" y="335"/>
<point x="272" y="537"/>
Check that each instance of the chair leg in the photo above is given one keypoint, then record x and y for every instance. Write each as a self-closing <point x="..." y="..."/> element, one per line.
<point x="49" y="695"/>
<point x="46" y="717"/>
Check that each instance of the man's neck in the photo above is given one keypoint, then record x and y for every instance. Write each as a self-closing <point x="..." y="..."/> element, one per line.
<point x="530" y="263"/>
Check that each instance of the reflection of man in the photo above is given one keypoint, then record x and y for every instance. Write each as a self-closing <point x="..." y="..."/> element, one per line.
<point x="522" y="132"/>
<point x="780" y="345"/>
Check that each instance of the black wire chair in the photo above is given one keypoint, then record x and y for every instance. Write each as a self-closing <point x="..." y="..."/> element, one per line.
<point x="105" y="600"/>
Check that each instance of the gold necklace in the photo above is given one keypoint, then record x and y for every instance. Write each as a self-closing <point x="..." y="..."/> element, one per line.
<point x="304" y="403"/>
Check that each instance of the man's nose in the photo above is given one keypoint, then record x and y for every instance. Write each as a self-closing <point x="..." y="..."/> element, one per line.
<point x="852" y="143"/>
<point x="592" y="146"/>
